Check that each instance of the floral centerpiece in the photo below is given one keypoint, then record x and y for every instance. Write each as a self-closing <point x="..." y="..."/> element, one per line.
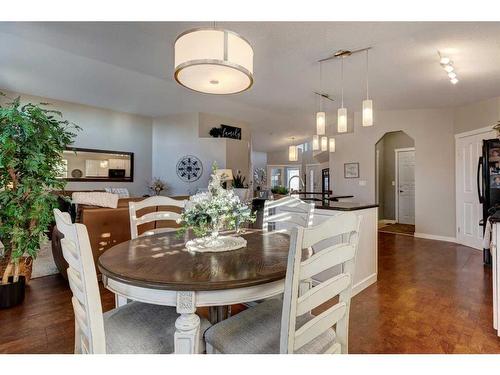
<point x="157" y="185"/>
<point x="208" y="213"/>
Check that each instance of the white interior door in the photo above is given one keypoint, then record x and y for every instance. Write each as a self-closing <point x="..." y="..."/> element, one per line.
<point x="405" y="186"/>
<point x="469" y="210"/>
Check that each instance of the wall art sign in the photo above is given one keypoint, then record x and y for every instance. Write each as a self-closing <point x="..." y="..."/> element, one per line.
<point x="189" y="168"/>
<point x="226" y="131"/>
<point x="351" y="170"/>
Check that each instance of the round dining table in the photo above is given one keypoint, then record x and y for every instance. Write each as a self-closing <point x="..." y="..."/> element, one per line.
<point x="158" y="269"/>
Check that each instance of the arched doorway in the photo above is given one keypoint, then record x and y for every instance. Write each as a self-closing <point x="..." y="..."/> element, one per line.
<point x="395" y="182"/>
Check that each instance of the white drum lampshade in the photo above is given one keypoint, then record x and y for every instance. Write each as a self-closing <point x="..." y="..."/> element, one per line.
<point x="292" y="153"/>
<point x="315" y="142"/>
<point x="342" y="120"/>
<point x="324" y="143"/>
<point x="320" y="123"/>
<point x="213" y="61"/>
<point x="332" y="144"/>
<point x="367" y="112"/>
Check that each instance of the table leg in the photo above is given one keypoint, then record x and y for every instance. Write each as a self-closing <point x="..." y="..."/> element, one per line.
<point x="120" y="300"/>
<point x="218" y="313"/>
<point x="187" y="325"/>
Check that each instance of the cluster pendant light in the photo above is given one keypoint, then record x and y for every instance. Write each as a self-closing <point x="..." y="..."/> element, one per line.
<point x="342" y="111"/>
<point x="320" y="141"/>
<point x="212" y="60"/>
<point x="320" y="116"/>
<point x="315" y="142"/>
<point x="367" y="103"/>
<point x="293" y="152"/>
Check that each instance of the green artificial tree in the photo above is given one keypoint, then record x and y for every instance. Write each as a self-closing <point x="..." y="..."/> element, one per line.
<point x="32" y="141"/>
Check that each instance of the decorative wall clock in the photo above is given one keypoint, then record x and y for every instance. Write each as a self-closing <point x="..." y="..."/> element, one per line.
<point x="189" y="168"/>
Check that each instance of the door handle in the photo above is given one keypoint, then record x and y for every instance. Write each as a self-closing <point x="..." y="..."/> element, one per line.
<point x="479" y="167"/>
<point x="401" y="191"/>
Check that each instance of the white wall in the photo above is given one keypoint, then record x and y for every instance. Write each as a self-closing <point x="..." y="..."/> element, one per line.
<point x="176" y="136"/>
<point x="108" y="130"/>
<point x="477" y="115"/>
<point x="433" y="132"/>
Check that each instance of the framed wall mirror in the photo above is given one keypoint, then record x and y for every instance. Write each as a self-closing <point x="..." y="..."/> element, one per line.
<point x="84" y="164"/>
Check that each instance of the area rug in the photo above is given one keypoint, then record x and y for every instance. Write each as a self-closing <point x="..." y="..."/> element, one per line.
<point x="404" y="229"/>
<point x="44" y="264"/>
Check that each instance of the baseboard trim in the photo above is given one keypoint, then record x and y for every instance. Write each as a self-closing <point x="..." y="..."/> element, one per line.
<point x="363" y="284"/>
<point x="386" y="221"/>
<point x="360" y="286"/>
<point x="435" y="237"/>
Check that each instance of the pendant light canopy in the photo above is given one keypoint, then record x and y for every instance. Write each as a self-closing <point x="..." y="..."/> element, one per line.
<point x="367" y="104"/>
<point x="332" y="144"/>
<point x="324" y="143"/>
<point x="315" y="142"/>
<point x="213" y="61"/>
<point x="342" y="111"/>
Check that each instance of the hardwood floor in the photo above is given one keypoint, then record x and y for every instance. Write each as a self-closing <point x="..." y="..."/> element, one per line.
<point x="431" y="297"/>
<point x="397" y="228"/>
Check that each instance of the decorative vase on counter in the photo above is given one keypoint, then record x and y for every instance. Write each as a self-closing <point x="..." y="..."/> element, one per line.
<point x="242" y="193"/>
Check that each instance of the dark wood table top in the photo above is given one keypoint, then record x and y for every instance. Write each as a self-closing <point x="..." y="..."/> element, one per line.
<point x="161" y="261"/>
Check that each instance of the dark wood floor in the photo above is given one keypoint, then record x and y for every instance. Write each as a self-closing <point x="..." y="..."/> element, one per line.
<point x="431" y="297"/>
<point x="397" y="228"/>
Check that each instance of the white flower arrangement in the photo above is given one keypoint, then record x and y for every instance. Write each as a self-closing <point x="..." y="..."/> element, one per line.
<point x="214" y="210"/>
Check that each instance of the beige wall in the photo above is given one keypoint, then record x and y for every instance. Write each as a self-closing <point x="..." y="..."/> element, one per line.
<point x="477" y="115"/>
<point x="108" y="130"/>
<point x="433" y="132"/>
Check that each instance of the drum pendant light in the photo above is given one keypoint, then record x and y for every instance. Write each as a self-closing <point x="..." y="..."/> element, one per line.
<point x="213" y="61"/>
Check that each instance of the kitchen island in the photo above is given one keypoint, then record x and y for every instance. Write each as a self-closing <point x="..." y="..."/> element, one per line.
<point x="495" y="258"/>
<point x="366" y="258"/>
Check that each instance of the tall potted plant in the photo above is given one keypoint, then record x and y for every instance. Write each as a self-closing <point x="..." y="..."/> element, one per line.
<point x="32" y="140"/>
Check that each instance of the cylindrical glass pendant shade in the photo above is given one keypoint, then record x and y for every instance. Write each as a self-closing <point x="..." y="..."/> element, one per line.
<point x="320" y="123"/>
<point x="213" y="61"/>
<point x="342" y="120"/>
<point x="315" y="142"/>
<point x="292" y="153"/>
<point x="332" y="144"/>
<point x="367" y="112"/>
<point x="324" y="143"/>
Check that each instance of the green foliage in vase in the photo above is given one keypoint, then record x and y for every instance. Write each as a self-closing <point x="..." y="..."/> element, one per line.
<point x="32" y="140"/>
<point x="214" y="210"/>
<point x="283" y="190"/>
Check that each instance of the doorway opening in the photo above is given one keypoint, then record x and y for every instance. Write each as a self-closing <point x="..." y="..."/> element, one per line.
<point x="395" y="183"/>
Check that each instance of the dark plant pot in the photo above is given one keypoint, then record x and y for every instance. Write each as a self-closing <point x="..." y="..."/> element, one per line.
<point x="12" y="294"/>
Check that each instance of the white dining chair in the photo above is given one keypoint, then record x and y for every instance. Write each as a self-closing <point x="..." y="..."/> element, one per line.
<point x="133" y="328"/>
<point x="155" y="201"/>
<point x="276" y="326"/>
<point x="286" y="213"/>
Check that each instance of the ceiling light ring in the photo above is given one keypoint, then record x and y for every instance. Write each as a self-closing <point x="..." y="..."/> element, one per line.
<point x="218" y="62"/>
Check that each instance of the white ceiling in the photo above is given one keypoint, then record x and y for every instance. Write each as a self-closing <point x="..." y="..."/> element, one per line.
<point x="129" y="67"/>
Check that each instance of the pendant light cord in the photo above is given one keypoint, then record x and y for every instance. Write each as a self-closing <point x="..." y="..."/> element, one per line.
<point x="367" y="95"/>
<point x="320" y="86"/>
<point x="342" y="79"/>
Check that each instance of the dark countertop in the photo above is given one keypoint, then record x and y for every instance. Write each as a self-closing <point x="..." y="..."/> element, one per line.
<point x="346" y="206"/>
<point x="495" y="218"/>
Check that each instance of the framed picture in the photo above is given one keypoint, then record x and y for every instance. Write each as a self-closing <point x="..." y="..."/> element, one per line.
<point x="351" y="170"/>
